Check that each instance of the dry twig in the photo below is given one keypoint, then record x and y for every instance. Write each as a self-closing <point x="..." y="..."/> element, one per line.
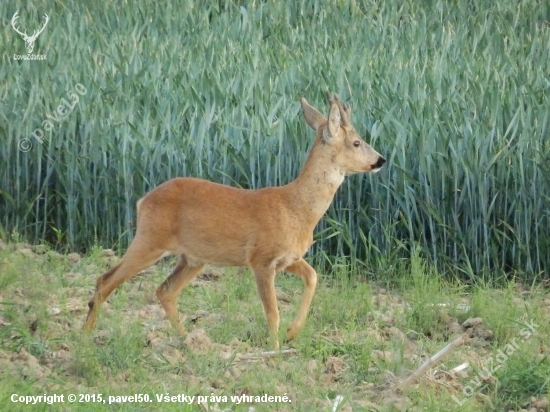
<point x="432" y="361"/>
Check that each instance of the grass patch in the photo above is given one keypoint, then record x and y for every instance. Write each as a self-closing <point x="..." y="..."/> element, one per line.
<point x="358" y="339"/>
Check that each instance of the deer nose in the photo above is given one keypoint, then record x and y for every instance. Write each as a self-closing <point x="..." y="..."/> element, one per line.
<point x="379" y="163"/>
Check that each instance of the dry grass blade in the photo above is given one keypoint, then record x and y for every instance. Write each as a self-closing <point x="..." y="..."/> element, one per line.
<point x="267" y="354"/>
<point x="466" y="139"/>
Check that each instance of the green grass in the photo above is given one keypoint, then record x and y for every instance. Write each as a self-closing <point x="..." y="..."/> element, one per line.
<point x="360" y="338"/>
<point x="454" y="94"/>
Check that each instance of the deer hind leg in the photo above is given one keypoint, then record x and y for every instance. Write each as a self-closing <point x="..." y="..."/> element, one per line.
<point x="170" y="289"/>
<point x="265" y="281"/>
<point x="309" y="276"/>
<point x="139" y="256"/>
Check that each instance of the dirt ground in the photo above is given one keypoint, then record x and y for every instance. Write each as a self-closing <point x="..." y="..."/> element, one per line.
<point x="66" y="310"/>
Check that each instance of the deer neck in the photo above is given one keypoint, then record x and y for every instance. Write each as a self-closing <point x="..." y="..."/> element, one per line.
<point x="313" y="190"/>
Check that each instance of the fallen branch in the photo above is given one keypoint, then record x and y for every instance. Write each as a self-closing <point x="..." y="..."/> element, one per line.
<point x="268" y="354"/>
<point x="433" y="360"/>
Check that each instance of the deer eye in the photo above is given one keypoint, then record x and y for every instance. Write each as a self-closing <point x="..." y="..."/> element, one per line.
<point x="357" y="143"/>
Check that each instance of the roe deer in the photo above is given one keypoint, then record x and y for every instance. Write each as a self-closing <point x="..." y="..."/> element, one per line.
<point x="267" y="230"/>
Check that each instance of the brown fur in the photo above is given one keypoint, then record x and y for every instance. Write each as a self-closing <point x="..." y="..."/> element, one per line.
<point x="267" y="230"/>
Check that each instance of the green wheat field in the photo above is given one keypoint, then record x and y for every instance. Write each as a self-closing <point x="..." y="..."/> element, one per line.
<point x="451" y="237"/>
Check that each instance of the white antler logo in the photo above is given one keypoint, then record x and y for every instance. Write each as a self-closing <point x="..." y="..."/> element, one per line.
<point x="29" y="40"/>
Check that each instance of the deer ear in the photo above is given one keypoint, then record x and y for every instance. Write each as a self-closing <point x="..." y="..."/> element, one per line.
<point x="334" y="119"/>
<point x="313" y="118"/>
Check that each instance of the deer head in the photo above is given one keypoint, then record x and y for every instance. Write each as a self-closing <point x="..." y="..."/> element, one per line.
<point x="29" y="40"/>
<point x="342" y="147"/>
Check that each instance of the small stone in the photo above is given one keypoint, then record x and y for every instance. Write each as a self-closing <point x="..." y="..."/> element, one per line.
<point x="311" y="366"/>
<point x="26" y="252"/>
<point x="19" y="246"/>
<point x="39" y="249"/>
<point x="472" y="322"/>
<point x="73" y="258"/>
<point x="211" y="273"/>
<point x="283" y="296"/>
<point x="383" y="355"/>
<point x="335" y="365"/>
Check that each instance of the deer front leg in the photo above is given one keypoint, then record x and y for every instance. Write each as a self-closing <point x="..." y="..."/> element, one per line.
<point x="309" y="276"/>
<point x="265" y="281"/>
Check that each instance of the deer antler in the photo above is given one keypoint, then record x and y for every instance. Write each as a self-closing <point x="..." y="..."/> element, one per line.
<point x="35" y="33"/>
<point x="15" y="17"/>
<point x="345" y="110"/>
